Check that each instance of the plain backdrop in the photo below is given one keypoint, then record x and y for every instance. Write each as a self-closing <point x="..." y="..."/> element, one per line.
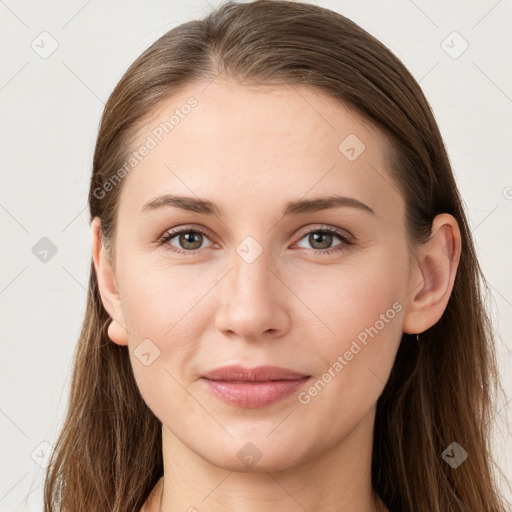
<point x="60" y="62"/>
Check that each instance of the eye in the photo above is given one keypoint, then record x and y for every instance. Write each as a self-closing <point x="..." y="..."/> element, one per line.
<point x="321" y="240"/>
<point x="189" y="239"/>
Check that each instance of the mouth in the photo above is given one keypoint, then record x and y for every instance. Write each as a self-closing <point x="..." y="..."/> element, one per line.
<point x="259" y="374"/>
<point x="253" y="388"/>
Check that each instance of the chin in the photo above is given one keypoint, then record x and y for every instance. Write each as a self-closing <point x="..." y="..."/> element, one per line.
<point x="258" y="455"/>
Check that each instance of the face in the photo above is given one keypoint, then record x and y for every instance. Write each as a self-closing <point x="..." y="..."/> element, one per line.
<point x="272" y="276"/>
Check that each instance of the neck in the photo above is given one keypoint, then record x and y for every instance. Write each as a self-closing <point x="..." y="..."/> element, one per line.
<point x="337" y="479"/>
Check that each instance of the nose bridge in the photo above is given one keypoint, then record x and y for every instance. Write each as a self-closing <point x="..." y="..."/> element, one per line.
<point x="252" y="264"/>
<point x="249" y="303"/>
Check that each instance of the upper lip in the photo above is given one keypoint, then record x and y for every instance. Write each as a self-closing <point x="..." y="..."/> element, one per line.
<point x="257" y="374"/>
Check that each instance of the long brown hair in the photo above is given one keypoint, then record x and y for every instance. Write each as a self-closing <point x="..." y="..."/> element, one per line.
<point x="108" y="455"/>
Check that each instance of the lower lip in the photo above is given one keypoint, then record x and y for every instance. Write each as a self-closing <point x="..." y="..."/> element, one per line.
<point x="253" y="395"/>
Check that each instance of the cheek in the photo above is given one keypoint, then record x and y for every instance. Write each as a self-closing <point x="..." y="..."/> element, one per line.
<point x="157" y="299"/>
<point x="361" y="327"/>
<point x="162" y="344"/>
<point x="342" y="301"/>
<point x="356" y="366"/>
<point x="164" y="310"/>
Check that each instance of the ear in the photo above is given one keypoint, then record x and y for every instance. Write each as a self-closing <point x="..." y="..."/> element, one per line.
<point x="107" y="285"/>
<point x="433" y="275"/>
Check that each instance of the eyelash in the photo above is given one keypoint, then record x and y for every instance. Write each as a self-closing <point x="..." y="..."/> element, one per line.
<point x="346" y="240"/>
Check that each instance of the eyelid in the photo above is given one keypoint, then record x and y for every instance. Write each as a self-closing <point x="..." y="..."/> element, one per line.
<point x="190" y="227"/>
<point x="310" y="228"/>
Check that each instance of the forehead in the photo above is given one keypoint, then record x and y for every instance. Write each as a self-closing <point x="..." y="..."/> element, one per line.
<point x="279" y="141"/>
<point x="263" y="112"/>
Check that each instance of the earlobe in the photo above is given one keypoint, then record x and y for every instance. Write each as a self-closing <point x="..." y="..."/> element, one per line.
<point x="433" y="278"/>
<point x="117" y="333"/>
<point x="107" y="285"/>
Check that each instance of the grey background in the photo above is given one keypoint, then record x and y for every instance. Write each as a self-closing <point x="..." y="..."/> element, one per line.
<point x="50" y="111"/>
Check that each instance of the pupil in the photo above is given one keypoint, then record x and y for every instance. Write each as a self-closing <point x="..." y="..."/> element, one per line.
<point x="317" y="238"/>
<point x="189" y="237"/>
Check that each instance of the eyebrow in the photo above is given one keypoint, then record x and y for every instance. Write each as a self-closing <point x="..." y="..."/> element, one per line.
<point x="197" y="205"/>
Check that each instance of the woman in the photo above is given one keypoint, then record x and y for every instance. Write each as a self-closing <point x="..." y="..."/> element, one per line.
<point x="284" y="307"/>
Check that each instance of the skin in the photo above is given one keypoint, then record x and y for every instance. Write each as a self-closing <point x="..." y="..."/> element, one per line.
<point x="291" y="307"/>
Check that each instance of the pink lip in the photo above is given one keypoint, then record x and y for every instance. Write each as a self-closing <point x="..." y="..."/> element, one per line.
<point x="253" y="388"/>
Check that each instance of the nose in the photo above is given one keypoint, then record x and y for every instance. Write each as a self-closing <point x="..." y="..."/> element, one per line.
<point x="254" y="299"/>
